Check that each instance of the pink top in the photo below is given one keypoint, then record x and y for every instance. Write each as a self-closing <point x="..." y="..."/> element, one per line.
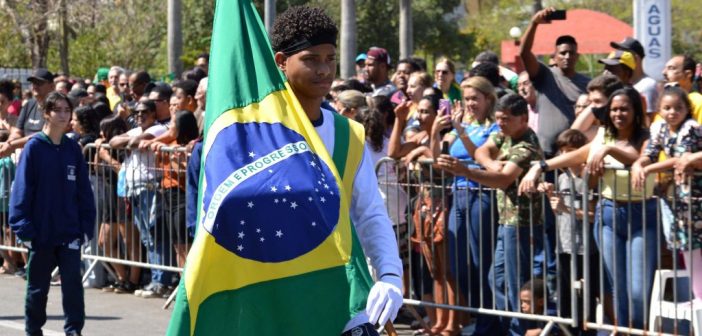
<point x="15" y="107"/>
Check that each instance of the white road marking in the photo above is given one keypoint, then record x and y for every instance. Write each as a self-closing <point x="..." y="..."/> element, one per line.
<point x="20" y="327"/>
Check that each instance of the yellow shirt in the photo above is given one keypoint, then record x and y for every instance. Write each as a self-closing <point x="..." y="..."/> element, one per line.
<point x="618" y="180"/>
<point x="113" y="97"/>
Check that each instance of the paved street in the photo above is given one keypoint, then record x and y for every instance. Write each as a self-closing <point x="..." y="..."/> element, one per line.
<point x="107" y="313"/>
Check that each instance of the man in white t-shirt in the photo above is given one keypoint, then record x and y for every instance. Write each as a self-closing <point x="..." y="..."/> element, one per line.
<point x="642" y="83"/>
<point x="142" y="177"/>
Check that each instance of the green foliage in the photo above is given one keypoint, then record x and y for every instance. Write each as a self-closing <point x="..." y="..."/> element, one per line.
<point x="14" y="54"/>
<point x="687" y="36"/>
<point x="133" y="33"/>
<point x="197" y="29"/>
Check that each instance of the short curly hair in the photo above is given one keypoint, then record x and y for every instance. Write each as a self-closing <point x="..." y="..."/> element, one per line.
<point x="302" y="22"/>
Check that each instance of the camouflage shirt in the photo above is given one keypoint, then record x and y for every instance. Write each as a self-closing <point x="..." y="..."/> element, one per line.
<point x="514" y="209"/>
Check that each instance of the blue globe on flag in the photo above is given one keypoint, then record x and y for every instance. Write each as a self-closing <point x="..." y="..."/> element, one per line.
<point x="272" y="198"/>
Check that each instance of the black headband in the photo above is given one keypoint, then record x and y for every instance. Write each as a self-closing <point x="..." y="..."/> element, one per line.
<point x="304" y="43"/>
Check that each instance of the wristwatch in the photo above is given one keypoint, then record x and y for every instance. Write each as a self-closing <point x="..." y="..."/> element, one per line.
<point x="543" y="165"/>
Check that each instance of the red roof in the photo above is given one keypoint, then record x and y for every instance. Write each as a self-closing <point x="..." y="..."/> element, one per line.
<point x="593" y="31"/>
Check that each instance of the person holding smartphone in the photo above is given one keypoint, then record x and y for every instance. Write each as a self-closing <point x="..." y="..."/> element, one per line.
<point x="472" y="125"/>
<point x="557" y="87"/>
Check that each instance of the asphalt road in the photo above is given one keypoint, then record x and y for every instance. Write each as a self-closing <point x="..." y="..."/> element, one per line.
<point x="107" y="313"/>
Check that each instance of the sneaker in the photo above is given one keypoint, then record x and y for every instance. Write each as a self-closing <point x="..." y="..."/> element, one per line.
<point x="21" y="273"/>
<point x="111" y="287"/>
<point x="167" y="293"/>
<point x="125" y="287"/>
<point x="153" y="290"/>
<point x="138" y="291"/>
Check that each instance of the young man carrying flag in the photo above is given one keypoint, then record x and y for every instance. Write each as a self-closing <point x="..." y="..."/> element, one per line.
<point x="290" y="206"/>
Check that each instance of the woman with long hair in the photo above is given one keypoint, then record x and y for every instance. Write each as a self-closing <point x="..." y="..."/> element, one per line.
<point x="471" y="126"/>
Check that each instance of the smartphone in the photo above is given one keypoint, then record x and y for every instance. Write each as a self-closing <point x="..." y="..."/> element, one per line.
<point x="445" y="105"/>
<point x="445" y="147"/>
<point x="559" y="14"/>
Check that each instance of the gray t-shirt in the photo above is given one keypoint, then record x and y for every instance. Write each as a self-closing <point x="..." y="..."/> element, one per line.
<point x="555" y="99"/>
<point x="30" y="119"/>
<point x="564" y="226"/>
<point x="647" y="88"/>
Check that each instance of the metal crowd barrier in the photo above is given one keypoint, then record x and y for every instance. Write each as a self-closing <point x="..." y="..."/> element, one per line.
<point x="645" y="284"/>
<point x="578" y="295"/>
<point x="447" y="255"/>
<point x="143" y="228"/>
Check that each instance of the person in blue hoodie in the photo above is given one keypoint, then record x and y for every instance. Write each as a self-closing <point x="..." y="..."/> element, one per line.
<point x="52" y="212"/>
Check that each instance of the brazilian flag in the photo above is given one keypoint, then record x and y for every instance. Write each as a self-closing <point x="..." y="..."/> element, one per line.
<point x="276" y="252"/>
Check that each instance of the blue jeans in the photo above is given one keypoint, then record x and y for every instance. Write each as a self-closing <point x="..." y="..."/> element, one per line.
<point x="514" y="264"/>
<point x="629" y="253"/>
<point x="146" y="212"/>
<point x="472" y="228"/>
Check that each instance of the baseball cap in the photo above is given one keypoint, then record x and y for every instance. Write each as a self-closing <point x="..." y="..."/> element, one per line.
<point x="361" y="57"/>
<point x="620" y="57"/>
<point x="630" y="44"/>
<point x="41" y="75"/>
<point x="379" y="54"/>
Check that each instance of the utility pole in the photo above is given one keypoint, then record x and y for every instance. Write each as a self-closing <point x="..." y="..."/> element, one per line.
<point x="175" y="38"/>
<point x="268" y="14"/>
<point x="63" y="28"/>
<point x="348" y="38"/>
<point x="406" y="36"/>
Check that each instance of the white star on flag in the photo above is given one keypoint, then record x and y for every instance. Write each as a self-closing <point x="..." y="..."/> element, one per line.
<point x="252" y="154"/>
<point x="310" y="198"/>
<point x="287" y="187"/>
<point x="326" y="186"/>
<point x="275" y="201"/>
<point x="240" y="247"/>
<point x="312" y="163"/>
<point x="258" y="230"/>
<point x="293" y="205"/>
<point x="251" y="205"/>
<point x="322" y="199"/>
<point x="274" y="189"/>
<point x="242" y="222"/>
<point x="270" y="171"/>
<point x="262" y="239"/>
<point x="284" y="200"/>
<point x="314" y="223"/>
<point x="241" y="235"/>
<point x="279" y="233"/>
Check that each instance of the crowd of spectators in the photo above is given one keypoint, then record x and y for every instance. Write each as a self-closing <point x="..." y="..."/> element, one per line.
<point x="124" y="122"/>
<point x="504" y="224"/>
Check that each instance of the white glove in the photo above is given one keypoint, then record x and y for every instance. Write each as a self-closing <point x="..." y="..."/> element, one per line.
<point x="384" y="299"/>
<point x="27" y="244"/>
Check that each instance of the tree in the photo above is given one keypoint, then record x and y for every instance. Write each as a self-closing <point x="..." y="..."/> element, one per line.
<point x="31" y="19"/>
